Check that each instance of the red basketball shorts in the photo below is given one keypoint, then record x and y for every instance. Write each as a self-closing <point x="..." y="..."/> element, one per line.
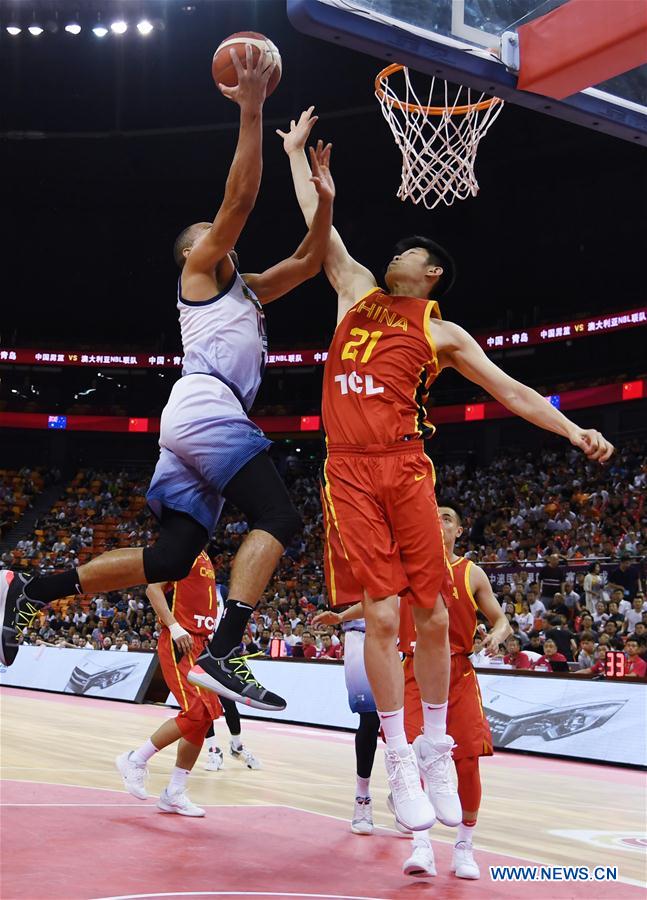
<point x="381" y="524"/>
<point x="466" y="721"/>
<point x="198" y="707"/>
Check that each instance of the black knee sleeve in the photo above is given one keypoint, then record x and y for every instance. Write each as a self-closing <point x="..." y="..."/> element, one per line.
<point x="258" y="491"/>
<point x="180" y="541"/>
<point x="366" y="743"/>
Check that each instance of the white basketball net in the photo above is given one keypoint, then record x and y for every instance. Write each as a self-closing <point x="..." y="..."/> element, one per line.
<point x="438" y="142"/>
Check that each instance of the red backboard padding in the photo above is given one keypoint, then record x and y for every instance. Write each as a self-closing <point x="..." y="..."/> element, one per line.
<point x="580" y="44"/>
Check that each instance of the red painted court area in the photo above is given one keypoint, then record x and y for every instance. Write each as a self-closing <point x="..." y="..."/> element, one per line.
<point x="87" y="844"/>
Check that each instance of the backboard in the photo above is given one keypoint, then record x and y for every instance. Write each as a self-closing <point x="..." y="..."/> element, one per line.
<point x="455" y="39"/>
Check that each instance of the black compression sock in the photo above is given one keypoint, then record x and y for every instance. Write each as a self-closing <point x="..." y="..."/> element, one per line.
<point x="45" y="588"/>
<point x="229" y="633"/>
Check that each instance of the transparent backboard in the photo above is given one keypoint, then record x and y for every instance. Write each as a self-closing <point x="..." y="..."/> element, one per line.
<point x="461" y="34"/>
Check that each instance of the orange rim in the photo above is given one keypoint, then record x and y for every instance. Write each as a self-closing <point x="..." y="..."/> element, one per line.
<point x="428" y="110"/>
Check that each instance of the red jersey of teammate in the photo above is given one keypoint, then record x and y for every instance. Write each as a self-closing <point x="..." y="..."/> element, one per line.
<point x="544" y="662"/>
<point x="519" y="660"/>
<point x="193" y="600"/>
<point x="462" y="616"/>
<point x="381" y="364"/>
<point x="636" y="666"/>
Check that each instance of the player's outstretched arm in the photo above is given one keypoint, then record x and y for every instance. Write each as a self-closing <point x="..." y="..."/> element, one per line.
<point x="348" y="277"/>
<point x="491" y="609"/>
<point x="181" y="637"/>
<point x="330" y="617"/>
<point x="307" y="259"/>
<point x="244" y="177"/>
<point x="458" y="349"/>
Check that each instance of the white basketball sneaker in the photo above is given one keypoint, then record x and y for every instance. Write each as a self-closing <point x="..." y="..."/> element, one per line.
<point x="412" y="807"/>
<point x="132" y="775"/>
<point x="362" y="822"/>
<point x="463" y="862"/>
<point x="178" y="803"/>
<point x="245" y="755"/>
<point x="439" y="777"/>
<point x="399" y="827"/>
<point x="421" y="863"/>
<point x="215" y="760"/>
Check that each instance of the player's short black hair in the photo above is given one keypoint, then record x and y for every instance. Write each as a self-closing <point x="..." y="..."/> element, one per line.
<point x="454" y="507"/>
<point x="186" y="238"/>
<point x="437" y="256"/>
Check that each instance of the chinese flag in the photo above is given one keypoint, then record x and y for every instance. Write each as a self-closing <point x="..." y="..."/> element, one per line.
<point x="137" y="424"/>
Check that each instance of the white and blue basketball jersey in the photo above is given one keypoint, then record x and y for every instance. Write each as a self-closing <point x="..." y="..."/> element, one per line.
<point x="226" y="337"/>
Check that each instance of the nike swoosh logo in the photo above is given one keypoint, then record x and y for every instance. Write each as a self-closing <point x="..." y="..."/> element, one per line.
<point x="419" y="477"/>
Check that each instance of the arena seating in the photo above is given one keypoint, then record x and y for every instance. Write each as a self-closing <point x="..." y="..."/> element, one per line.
<point x="525" y="516"/>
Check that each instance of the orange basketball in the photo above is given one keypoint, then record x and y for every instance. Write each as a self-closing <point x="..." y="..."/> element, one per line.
<point x="222" y="67"/>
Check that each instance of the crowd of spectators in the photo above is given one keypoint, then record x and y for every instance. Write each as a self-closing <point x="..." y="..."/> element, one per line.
<point x="18" y="487"/>
<point x="561" y="539"/>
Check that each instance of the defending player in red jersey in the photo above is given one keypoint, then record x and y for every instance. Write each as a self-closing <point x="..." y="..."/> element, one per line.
<point x="189" y="613"/>
<point x="383" y="536"/>
<point x="466" y="720"/>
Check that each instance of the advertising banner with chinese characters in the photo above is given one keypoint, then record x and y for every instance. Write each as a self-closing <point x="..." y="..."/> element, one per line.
<point x="492" y="341"/>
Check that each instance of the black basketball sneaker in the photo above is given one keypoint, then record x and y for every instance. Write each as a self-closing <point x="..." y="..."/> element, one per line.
<point x="231" y="677"/>
<point x="17" y="612"/>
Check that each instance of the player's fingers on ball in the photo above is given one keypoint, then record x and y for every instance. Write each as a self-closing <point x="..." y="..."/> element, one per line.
<point x="249" y="57"/>
<point x="268" y="72"/>
<point x="238" y="66"/>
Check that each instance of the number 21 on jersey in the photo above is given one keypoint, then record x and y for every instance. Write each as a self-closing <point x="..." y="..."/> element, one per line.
<point x="351" y="348"/>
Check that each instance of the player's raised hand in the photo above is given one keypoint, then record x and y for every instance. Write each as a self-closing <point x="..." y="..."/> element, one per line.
<point x="295" y="139"/>
<point x="592" y="444"/>
<point x="326" y="618"/>
<point x="321" y="177"/>
<point x="253" y="79"/>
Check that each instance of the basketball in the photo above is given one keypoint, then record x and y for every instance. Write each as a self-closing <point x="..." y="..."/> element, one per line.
<point x="222" y="67"/>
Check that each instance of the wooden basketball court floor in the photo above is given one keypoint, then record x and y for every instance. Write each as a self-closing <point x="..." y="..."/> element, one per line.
<point x="70" y="831"/>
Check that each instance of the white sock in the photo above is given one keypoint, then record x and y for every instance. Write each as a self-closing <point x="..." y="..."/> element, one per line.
<point x="393" y="727"/>
<point x="141" y="756"/>
<point x="178" y="780"/>
<point x="212" y="742"/>
<point x="236" y="742"/>
<point x="465" y="833"/>
<point x="435" y="720"/>
<point x="422" y="838"/>
<point x="362" y="789"/>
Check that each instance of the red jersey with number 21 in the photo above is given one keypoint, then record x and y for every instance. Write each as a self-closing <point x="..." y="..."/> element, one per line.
<point x="380" y="366"/>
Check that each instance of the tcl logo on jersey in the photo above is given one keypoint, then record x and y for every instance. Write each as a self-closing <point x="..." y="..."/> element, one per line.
<point x="358" y="384"/>
<point x="205" y="622"/>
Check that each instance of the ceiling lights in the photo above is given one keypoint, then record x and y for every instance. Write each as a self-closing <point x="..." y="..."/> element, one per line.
<point x="75" y="25"/>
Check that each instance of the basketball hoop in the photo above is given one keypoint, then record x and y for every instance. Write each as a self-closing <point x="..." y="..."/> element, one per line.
<point x="438" y="143"/>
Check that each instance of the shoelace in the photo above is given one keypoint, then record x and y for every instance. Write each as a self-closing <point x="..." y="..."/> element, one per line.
<point x="404" y="777"/>
<point x="241" y="670"/>
<point x="364" y="809"/>
<point x="138" y="775"/>
<point x="439" y="774"/>
<point x="26" y="617"/>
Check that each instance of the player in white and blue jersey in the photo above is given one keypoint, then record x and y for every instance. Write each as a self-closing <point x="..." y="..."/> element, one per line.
<point x="209" y="448"/>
